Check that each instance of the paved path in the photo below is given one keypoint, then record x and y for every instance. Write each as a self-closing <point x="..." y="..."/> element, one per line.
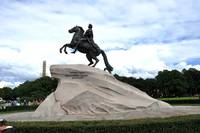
<point x="137" y="114"/>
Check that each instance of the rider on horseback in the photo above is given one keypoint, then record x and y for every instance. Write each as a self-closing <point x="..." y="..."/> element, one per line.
<point x="87" y="46"/>
<point x="88" y="36"/>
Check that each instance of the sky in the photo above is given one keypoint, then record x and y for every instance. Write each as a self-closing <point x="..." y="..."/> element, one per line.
<point x="140" y="37"/>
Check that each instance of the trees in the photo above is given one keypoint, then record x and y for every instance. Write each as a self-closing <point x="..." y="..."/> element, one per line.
<point x="36" y="90"/>
<point x="30" y="90"/>
<point x="6" y="93"/>
<point x="171" y="83"/>
<point x="193" y="79"/>
<point x="168" y="83"/>
<point x="148" y="85"/>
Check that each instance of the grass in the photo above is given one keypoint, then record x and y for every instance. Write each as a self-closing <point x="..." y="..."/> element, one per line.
<point x="184" y="104"/>
<point x="182" y="101"/>
<point x="180" y="98"/>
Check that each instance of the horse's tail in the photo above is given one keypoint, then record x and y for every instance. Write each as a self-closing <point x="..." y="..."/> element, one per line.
<point x="108" y="66"/>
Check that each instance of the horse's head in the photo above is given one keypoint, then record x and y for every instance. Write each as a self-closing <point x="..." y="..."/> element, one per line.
<point x="78" y="33"/>
<point x="74" y="29"/>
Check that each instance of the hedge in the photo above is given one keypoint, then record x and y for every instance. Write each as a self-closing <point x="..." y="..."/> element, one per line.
<point x="19" y="108"/>
<point x="188" y="101"/>
<point x="184" y="124"/>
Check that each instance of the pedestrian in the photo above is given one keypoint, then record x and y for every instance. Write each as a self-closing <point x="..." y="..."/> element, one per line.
<point x="5" y="128"/>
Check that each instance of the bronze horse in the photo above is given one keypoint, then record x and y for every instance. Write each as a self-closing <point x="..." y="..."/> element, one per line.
<point x="85" y="47"/>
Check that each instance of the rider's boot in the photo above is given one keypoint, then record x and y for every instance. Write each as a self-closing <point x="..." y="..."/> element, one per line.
<point x="75" y="49"/>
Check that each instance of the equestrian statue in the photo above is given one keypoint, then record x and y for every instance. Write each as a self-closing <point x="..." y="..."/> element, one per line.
<point x="84" y="43"/>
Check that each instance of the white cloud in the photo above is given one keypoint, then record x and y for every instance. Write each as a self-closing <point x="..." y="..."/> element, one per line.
<point x="183" y="65"/>
<point x="143" y="58"/>
<point x="147" y="59"/>
<point x="10" y="84"/>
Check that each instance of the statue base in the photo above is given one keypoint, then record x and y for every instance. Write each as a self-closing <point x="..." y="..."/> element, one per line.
<point x="85" y="90"/>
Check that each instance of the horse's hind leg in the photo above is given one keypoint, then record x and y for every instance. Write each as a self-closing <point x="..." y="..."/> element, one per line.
<point x="89" y="59"/>
<point x="96" y="61"/>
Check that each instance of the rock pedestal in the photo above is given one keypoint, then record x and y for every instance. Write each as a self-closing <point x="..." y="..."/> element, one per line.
<point x="84" y="90"/>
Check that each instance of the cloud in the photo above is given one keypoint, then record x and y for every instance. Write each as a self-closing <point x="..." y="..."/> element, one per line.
<point x="8" y="84"/>
<point x="183" y="65"/>
<point x="140" y="37"/>
<point x="145" y="60"/>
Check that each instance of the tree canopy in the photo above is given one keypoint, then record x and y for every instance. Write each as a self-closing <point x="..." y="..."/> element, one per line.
<point x="168" y="83"/>
<point x="31" y="90"/>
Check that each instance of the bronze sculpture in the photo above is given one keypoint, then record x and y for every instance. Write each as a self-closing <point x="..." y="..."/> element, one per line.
<point x="84" y="43"/>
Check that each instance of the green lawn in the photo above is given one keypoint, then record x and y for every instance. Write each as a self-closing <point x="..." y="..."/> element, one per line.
<point x="181" y="124"/>
<point x="180" y="98"/>
<point x="183" y="101"/>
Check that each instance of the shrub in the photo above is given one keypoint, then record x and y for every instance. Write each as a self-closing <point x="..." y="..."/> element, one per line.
<point x="186" y="124"/>
<point x="182" y="101"/>
<point x="19" y="108"/>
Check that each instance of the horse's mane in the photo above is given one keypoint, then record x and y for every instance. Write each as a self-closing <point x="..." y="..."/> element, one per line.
<point x="81" y="29"/>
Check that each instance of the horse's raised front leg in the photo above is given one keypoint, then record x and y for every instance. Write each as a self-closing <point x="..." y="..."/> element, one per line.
<point x="65" y="49"/>
<point x="64" y="46"/>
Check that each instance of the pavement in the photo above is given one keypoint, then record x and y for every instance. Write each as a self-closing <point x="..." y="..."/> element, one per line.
<point x="136" y="114"/>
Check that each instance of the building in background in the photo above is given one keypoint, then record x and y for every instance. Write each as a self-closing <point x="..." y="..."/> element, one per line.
<point x="44" y="65"/>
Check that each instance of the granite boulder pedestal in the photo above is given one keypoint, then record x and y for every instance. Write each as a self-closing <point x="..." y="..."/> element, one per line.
<point x="84" y="90"/>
